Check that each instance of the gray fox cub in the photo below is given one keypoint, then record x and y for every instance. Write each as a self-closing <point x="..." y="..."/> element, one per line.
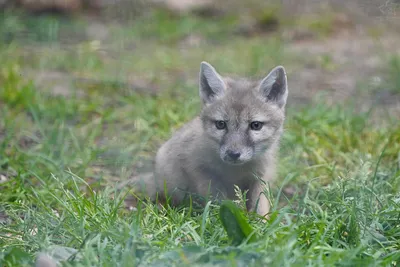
<point x="233" y="141"/>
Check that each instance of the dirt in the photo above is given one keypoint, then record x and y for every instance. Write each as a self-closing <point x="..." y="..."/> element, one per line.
<point x="353" y="57"/>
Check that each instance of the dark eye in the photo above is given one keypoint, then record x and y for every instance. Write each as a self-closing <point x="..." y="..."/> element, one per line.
<point x="220" y="125"/>
<point x="256" y="125"/>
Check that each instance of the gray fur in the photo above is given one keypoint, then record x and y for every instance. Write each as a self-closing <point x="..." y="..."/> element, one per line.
<point x="274" y="86"/>
<point x="44" y="260"/>
<point x="211" y="84"/>
<point x="197" y="157"/>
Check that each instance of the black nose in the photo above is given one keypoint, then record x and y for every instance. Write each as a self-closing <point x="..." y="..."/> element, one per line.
<point x="233" y="154"/>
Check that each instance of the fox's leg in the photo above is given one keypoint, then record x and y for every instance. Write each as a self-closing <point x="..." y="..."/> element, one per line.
<point x="210" y="189"/>
<point x="149" y="185"/>
<point x="257" y="201"/>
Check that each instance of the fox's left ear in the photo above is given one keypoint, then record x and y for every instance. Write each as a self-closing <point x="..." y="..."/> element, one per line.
<point x="273" y="88"/>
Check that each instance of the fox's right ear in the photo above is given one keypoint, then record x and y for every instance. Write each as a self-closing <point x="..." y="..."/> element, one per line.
<point x="211" y="84"/>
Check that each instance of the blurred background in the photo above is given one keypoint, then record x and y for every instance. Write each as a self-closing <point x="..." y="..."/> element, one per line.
<point x="96" y="85"/>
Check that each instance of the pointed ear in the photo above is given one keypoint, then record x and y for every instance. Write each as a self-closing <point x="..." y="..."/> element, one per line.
<point x="273" y="88"/>
<point x="211" y="84"/>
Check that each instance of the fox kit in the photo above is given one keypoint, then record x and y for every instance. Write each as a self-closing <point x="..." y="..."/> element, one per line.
<point x="232" y="142"/>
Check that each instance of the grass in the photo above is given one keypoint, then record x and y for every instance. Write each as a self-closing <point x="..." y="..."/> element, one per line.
<point x="60" y="157"/>
<point x="393" y="73"/>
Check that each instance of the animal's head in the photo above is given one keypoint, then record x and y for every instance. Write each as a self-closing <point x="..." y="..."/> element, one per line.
<point x="244" y="117"/>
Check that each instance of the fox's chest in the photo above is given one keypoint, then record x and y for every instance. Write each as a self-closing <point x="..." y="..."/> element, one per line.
<point x="228" y="176"/>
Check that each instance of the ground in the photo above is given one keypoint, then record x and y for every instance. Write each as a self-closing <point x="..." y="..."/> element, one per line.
<point x="85" y="102"/>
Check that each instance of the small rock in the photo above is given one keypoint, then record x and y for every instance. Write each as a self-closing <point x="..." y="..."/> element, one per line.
<point x="44" y="260"/>
<point x="3" y="178"/>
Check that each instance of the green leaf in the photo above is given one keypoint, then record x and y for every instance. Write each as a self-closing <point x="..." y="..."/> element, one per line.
<point x="235" y="223"/>
<point x="17" y="257"/>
